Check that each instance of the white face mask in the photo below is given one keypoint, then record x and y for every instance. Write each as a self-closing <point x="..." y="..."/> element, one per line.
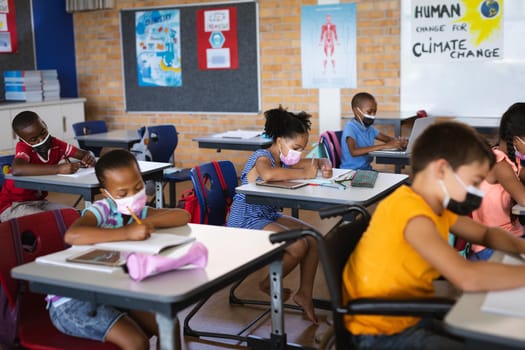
<point x="135" y="203"/>
<point x="41" y="146"/>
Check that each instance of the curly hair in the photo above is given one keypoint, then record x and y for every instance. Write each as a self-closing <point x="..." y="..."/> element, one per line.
<point x="281" y="123"/>
<point x="512" y="124"/>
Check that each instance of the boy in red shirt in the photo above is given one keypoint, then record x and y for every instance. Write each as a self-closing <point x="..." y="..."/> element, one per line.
<point x="37" y="153"/>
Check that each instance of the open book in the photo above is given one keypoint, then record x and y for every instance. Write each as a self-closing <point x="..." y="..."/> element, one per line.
<point x="153" y="245"/>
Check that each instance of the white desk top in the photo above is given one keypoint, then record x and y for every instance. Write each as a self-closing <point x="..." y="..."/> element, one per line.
<point x="390" y="115"/>
<point x="330" y="196"/>
<point x="113" y="135"/>
<point x="88" y="180"/>
<point x="228" y="250"/>
<point x="466" y="319"/>
<point x="490" y="122"/>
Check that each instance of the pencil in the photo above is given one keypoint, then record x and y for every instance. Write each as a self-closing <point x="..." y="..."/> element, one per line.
<point x="135" y="217"/>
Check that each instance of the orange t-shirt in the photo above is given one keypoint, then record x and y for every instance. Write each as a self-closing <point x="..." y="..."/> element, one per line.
<point x="384" y="264"/>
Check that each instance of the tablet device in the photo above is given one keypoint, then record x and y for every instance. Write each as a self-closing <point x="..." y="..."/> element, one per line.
<point x="291" y="185"/>
<point x="99" y="257"/>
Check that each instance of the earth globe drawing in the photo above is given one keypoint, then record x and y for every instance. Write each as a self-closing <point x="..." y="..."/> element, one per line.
<point x="489" y="8"/>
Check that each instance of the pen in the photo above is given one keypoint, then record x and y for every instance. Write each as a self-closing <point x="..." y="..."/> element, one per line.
<point x="135" y="217"/>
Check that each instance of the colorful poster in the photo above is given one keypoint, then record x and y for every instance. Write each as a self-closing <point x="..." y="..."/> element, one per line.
<point x="328" y="46"/>
<point x="217" y="46"/>
<point x="157" y="35"/>
<point x="8" y="35"/>
<point x="456" y="30"/>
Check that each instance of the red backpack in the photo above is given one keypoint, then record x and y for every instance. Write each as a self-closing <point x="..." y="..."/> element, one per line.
<point x="190" y="202"/>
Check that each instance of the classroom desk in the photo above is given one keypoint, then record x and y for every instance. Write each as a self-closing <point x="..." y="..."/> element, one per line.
<point x="398" y="160"/>
<point x="237" y="144"/>
<point x="484" y="125"/>
<point x="115" y="138"/>
<point x="87" y="185"/>
<point x="392" y="118"/>
<point x="485" y="330"/>
<point x="232" y="254"/>
<point x="318" y="197"/>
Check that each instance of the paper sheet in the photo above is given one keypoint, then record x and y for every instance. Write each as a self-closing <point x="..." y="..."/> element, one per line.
<point x="80" y="172"/>
<point x="239" y="134"/>
<point x="506" y="302"/>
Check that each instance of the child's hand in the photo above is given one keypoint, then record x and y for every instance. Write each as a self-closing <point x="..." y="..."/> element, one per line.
<point x="88" y="160"/>
<point x="68" y="168"/>
<point x="310" y="170"/>
<point x="326" y="167"/>
<point x="138" y="232"/>
<point x="394" y="143"/>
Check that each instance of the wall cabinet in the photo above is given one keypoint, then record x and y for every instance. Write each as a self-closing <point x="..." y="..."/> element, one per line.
<point x="59" y="116"/>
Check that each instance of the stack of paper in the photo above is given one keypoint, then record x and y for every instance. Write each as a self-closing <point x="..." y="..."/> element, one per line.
<point x="50" y="84"/>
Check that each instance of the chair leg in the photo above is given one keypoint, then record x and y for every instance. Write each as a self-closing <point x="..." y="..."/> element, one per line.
<point x="77" y="201"/>
<point x="173" y="194"/>
<point x="199" y="334"/>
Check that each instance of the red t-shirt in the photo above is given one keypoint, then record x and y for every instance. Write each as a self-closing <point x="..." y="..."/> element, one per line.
<point x="9" y="194"/>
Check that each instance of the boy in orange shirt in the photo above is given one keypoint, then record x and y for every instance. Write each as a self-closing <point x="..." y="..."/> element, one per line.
<point x="406" y="244"/>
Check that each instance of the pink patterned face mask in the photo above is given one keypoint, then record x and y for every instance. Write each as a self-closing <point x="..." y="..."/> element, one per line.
<point x="291" y="158"/>
<point x="135" y="203"/>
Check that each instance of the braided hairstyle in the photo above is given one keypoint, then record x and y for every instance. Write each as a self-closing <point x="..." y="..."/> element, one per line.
<point x="281" y="123"/>
<point x="512" y="124"/>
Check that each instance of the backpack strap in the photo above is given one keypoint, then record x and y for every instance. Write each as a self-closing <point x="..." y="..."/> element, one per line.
<point x="336" y="144"/>
<point x="204" y="194"/>
<point x="224" y="186"/>
<point x="325" y="138"/>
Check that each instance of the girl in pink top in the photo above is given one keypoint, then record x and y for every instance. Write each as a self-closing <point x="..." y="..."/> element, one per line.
<point x="503" y="187"/>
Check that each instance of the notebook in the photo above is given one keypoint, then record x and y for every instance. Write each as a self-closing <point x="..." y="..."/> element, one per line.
<point x="99" y="257"/>
<point x="364" y="178"/>
<point x="420" y="124"/>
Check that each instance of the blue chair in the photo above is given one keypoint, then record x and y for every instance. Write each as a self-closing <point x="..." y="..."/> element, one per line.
<point x="90" y="127"/>
<point x="212" y="199"/>
<point x="5" y="163"/>
<point x="162" y="141"/>
<point x="332" y="143"/>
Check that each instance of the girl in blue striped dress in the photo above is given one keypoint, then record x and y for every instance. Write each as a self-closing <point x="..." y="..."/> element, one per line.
<point x="282" y="161"/>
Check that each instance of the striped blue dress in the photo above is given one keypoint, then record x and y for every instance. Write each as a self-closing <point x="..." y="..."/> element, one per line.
<point x="252" y="216"/>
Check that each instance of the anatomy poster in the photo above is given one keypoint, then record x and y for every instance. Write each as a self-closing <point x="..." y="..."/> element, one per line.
<point x="328" y="46"/>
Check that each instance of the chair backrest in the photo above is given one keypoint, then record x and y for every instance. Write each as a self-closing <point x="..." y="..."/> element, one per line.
<point x="162" y="141"/>
<point x="332" y="142"/>
<point x="38" y="234"/>
<point x="212" y="200"/>
<point x="90" y="127"/>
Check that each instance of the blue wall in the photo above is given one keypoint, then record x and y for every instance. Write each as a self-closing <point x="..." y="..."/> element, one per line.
<point x="55" y="42"/>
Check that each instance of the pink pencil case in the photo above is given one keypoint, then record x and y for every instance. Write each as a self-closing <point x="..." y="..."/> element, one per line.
<point x="140" y="266"/>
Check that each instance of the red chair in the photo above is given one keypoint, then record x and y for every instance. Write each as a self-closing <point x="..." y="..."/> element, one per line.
<point x="23" y="240"/>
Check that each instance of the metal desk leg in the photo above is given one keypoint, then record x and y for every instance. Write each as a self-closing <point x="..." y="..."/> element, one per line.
<point x="278" y="336"/>
<point x="167" y="328"/>
<point x="158" y="194"/>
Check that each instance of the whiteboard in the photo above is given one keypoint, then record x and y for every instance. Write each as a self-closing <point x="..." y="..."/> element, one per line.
<point x="466" y="89"/>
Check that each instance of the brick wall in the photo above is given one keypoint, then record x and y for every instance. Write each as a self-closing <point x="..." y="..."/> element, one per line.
<point x="99" y="67"/>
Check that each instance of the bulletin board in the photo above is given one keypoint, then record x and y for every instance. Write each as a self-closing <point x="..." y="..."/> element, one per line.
<point x="474" y="88"/>
<point x="235" y="90"/>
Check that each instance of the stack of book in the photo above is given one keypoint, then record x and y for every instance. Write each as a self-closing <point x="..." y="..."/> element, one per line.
<point x="23" y="85"/>
<point x="50" y="84"/>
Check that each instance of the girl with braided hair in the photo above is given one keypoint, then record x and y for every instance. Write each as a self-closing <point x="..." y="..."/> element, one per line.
<point x="503" y="187"/>
<point x="282" y="161"/>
